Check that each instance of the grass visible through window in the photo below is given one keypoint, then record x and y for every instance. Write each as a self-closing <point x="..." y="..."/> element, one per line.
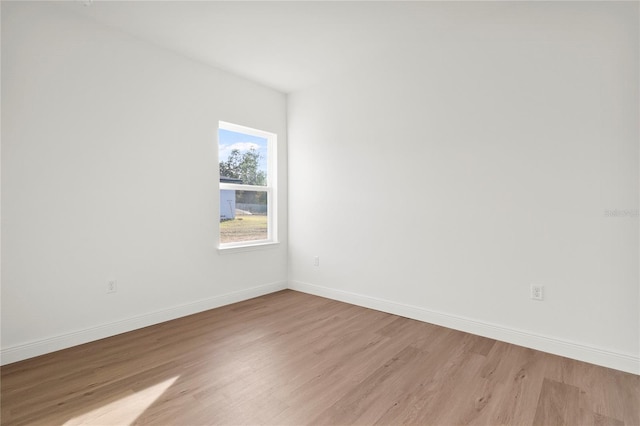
<point x="243" y="228"/>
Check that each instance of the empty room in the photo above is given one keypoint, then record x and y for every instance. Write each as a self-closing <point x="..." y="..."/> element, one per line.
<point x="320" y="212"/>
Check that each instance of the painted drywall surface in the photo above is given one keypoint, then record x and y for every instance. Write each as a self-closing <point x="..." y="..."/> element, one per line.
<point x="454" y="177"/>
<point x="109" y="172"/>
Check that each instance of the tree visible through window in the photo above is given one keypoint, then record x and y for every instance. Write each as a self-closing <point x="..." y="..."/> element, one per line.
<point x="247" y="190"/>
<point x="244" y="165"/>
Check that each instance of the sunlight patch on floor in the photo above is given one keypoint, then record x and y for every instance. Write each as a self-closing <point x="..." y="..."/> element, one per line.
<point x="125" y="410"/>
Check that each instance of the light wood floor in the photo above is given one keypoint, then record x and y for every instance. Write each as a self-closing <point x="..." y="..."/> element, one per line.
<point x="292" y="358"/>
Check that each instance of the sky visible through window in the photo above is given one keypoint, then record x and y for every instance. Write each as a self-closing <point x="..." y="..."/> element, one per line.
<point x="228" y="141"/>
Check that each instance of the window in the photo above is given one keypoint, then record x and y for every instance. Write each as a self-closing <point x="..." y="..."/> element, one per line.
<point x="247" y="161"/>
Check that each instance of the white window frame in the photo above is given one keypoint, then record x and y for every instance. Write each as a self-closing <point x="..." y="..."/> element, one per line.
<point x="270" y="188"/>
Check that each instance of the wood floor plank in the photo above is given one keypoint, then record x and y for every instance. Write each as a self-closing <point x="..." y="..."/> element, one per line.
<point x="601" y="420"/>
<point x="558" y="404"/>
<point x="517" y="386"/>
<point x="437" y="367"/>
<point x="290" y="358"/>
<point x="370" y="398"/>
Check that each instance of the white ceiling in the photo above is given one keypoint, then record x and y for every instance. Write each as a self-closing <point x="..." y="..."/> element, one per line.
<point x="284" y="45"/>
<point x="293" y="44"/>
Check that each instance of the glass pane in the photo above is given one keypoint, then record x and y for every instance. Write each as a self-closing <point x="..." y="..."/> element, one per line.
<point x="243" y="158"/>
<point x="243" y="216"/>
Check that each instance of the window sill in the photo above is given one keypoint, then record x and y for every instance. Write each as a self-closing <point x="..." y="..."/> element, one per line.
<point x="249" y="247"/>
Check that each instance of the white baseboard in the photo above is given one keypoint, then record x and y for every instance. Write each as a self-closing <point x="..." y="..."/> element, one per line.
<point x="593" y="355"/>
<point x="67" y="340"/>
<point x="598" y="356"/>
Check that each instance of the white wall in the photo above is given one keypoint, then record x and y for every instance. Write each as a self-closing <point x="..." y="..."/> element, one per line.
<point x="109" y="171"/>
<point x="440" y="183"/>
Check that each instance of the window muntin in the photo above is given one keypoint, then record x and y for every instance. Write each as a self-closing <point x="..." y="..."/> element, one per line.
<point x="247" y="197"/>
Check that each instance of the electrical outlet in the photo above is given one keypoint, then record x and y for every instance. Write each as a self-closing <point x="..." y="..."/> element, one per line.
<point x="316" y="261"/>
<point x="537" y="292"/>
<point x="112" y="286"/>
